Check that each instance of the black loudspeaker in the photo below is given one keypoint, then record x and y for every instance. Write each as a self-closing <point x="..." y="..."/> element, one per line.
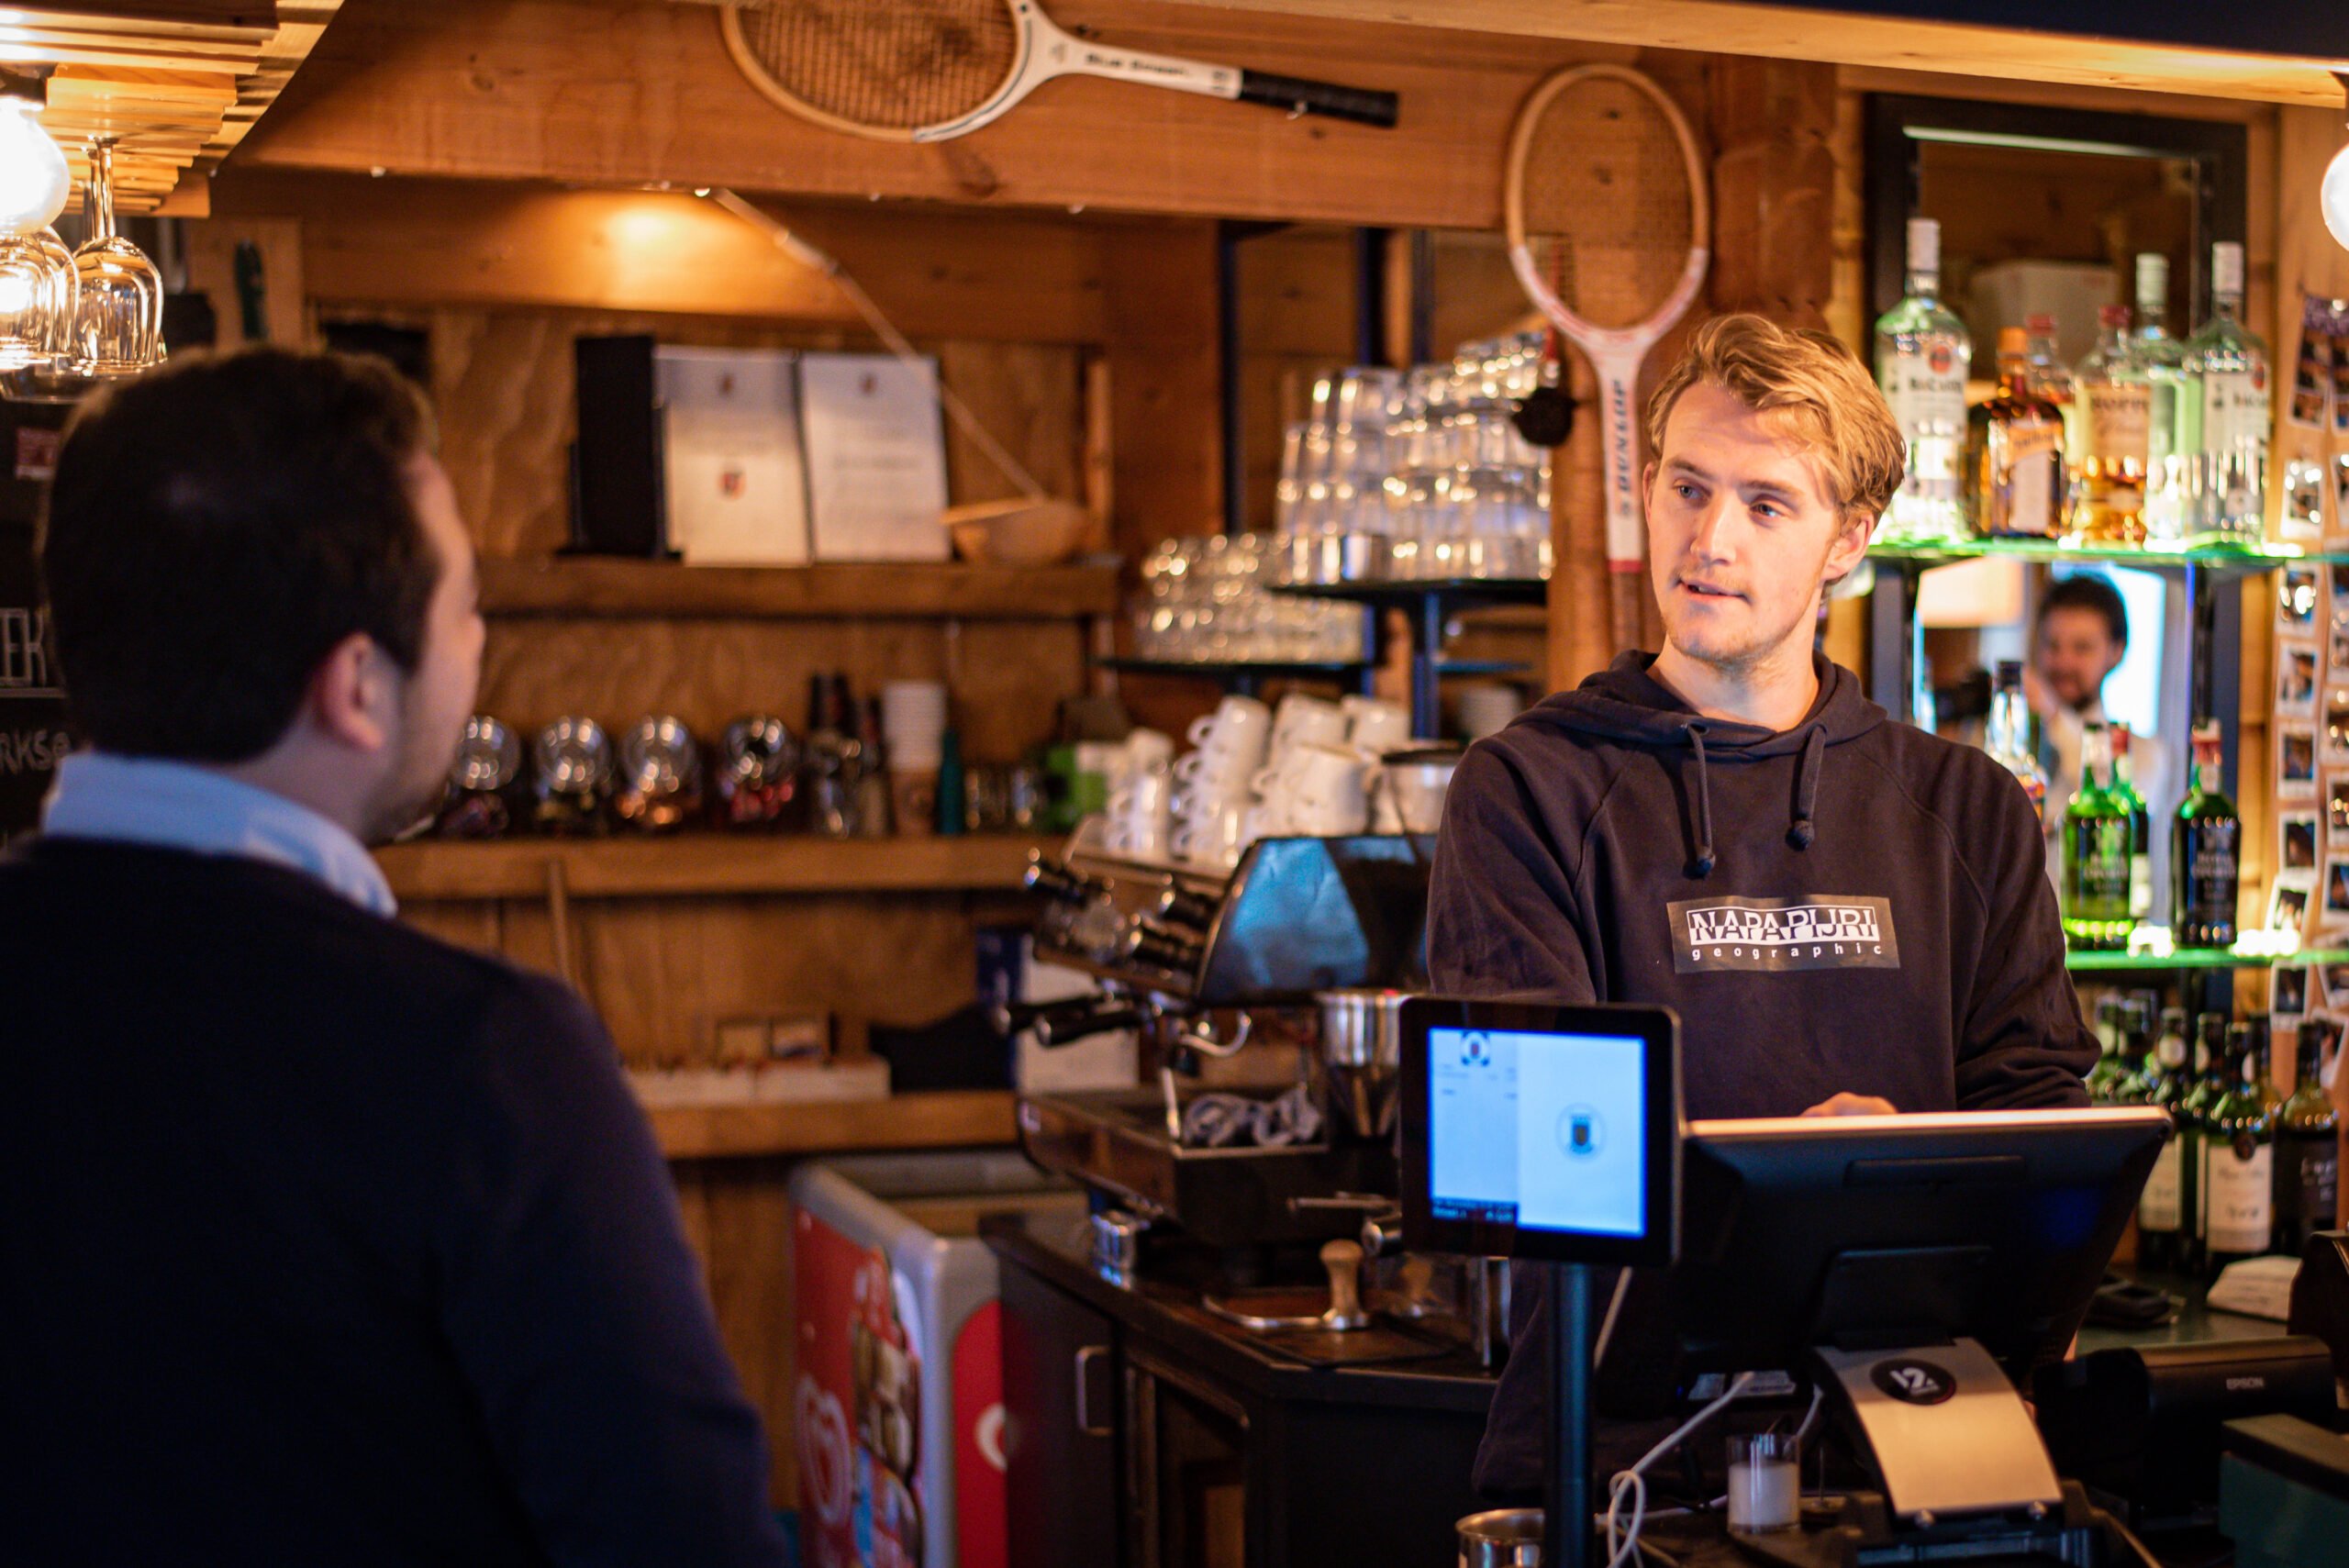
<point x="618" y="505"/>
<point x="2140" y="1427"/>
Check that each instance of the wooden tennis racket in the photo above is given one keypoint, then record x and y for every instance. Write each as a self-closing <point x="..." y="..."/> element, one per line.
<point x="1609" y="213"/>
<point x="932" y="70"/>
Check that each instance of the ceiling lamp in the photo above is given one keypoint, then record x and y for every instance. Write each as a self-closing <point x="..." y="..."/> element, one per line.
<point x="33" y="177"/>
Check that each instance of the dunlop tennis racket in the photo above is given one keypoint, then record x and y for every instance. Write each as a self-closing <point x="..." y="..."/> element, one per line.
<point x="1609" y="213"/>
<point x="932" y="70"/>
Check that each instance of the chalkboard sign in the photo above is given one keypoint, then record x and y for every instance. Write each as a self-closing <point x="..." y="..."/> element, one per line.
<point x="33" y="733"/>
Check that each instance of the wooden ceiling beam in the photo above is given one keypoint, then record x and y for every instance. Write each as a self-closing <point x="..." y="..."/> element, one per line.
<point x="1789" y="32"/>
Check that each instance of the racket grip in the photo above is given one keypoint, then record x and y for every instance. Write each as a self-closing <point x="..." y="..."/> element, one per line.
<point x="1363" y="104"/>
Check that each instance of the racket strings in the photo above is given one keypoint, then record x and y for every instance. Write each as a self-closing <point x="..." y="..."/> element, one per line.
<point x="890" y="64"/>
<point x="1608" y="216"/>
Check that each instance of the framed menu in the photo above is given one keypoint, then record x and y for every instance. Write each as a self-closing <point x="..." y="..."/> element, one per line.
<point x="876" y="457"/>
<point x="733" y="481"/>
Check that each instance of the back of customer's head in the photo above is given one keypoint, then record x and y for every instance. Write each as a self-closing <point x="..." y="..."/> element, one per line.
<point x="216" y="528"/>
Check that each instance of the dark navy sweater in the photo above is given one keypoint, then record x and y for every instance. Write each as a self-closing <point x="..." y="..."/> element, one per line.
<point x="324" y="1241"/>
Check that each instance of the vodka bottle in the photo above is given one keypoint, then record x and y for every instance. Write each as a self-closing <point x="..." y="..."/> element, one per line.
<point x="1922" y="357"/>
<point x="2110" y="423"/>
<point x="2169" y="466"/>
<point x="2229" y="423"/>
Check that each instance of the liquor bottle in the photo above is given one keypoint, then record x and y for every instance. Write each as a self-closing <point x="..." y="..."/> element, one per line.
<point x="2140" y="828"/>
<point x="2111" y="1069"/>
<point x="2169" y="511"/>
<point x="2210" y="1083"/>
<point x="2238" y="1162"/>
<point x="2014" y="454"/>
<point x="2161" y="1210"/>
<point x="2108" y="438"/>
<point x="2229" y="423"/>
<point x="2008" y="735"/>
<point x="2095" y="853"/>
<point x="2204" y="840"/>
<point x="2048" y="376"/>
<point x="2307" y="1150"/>
<point x="1922" y="357"/>
<point x="2137" y="1018"/>
<point x="833" y="758"/>
<point x="873" y="806"/>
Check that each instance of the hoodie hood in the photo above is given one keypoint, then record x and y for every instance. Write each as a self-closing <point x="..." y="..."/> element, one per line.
<point x="1626" y="703"/>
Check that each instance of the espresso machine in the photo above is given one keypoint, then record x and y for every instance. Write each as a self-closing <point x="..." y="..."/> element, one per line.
<point x="1274" y="1208"/>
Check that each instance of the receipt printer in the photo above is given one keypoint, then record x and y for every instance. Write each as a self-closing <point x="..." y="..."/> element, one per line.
<point x="2139" y="1426"/>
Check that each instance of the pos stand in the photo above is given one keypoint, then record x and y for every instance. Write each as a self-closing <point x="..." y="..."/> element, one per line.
<point x="1565" y="1518"/>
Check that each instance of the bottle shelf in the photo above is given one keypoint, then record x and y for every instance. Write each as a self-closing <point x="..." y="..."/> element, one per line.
<point x="2212" y="556"/>
<point x="2197" y="958"/>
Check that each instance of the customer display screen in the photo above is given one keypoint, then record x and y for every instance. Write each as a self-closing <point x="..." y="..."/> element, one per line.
<point x="1539" y="1131"/>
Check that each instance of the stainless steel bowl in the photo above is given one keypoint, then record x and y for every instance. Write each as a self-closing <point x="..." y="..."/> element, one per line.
<point x="1505" y="1537"/>
<point x="1361" y="1055"/>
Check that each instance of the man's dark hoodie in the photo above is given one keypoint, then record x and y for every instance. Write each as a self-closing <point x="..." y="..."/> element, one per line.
<point x="1851" y="905"/>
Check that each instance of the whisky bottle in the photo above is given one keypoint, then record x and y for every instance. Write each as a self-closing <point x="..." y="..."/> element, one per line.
<point x="2228" y="424"/>
<point x="2205" y="839"/>
<point x="2108" y="444"/>
<point x="2008" y="735"/>
<point x="2307" y="1150"/>
<point x="2140" y="828"/>
<point x="2169" y="511"/>
<point x="2210" y="1083"/>
<point x="2014" y="454"/>
<point x="2161" y="1209"/>
<point x="1922" y="358"/>
<point x="2238" y="1162"/>
<point x="2111" y="1070"/>
<point x="2095" y="853"/>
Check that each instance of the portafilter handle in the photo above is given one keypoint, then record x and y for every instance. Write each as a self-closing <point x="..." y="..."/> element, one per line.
<point x="1067" y="1020"/>
<point x="1056" y="880"/>
<point x="1186" y="908"/>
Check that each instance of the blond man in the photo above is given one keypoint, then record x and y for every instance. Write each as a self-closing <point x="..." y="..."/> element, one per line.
<point x="1850" y="916"/>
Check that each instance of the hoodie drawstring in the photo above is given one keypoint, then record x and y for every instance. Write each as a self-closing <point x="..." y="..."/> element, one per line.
<point x="1800" y="833"/>
<point x="1703" y="862"/>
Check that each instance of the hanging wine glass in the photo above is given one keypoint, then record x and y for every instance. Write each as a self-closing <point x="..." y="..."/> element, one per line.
<point x="118" y="314"/>
<point x="37" y="290"/>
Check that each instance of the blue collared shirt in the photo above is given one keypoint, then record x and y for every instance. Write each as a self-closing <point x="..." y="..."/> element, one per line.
<point x="179" y="806"/>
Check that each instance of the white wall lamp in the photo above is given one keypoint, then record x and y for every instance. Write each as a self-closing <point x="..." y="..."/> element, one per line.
<point x="34" y="180"/>
<point x="2333" y="200"/>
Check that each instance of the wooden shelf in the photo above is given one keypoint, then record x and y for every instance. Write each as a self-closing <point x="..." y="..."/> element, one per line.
<point x="704" y="864"/>
<point x="585" y="585"/>
<point x="941" y="1120"/>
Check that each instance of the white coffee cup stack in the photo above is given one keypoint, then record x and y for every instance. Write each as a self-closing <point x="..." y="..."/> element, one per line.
<point x="1141" y="807"/>
<point x="1212" y="782"/>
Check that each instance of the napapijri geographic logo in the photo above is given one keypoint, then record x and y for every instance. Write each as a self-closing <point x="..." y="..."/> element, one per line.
<point x="1821" y="931"/>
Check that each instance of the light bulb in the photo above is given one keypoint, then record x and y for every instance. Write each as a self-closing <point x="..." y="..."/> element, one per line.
<point x="33" y="177"/>
<point x="2334" y="199"/>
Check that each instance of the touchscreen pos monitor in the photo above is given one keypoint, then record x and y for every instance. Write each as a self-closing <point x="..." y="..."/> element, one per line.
<point x="1550" y="1133"/>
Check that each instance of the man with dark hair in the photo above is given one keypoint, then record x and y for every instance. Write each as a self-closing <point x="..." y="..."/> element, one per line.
<point x="2083" y="634"/>
<point x="326" y="1242"/>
